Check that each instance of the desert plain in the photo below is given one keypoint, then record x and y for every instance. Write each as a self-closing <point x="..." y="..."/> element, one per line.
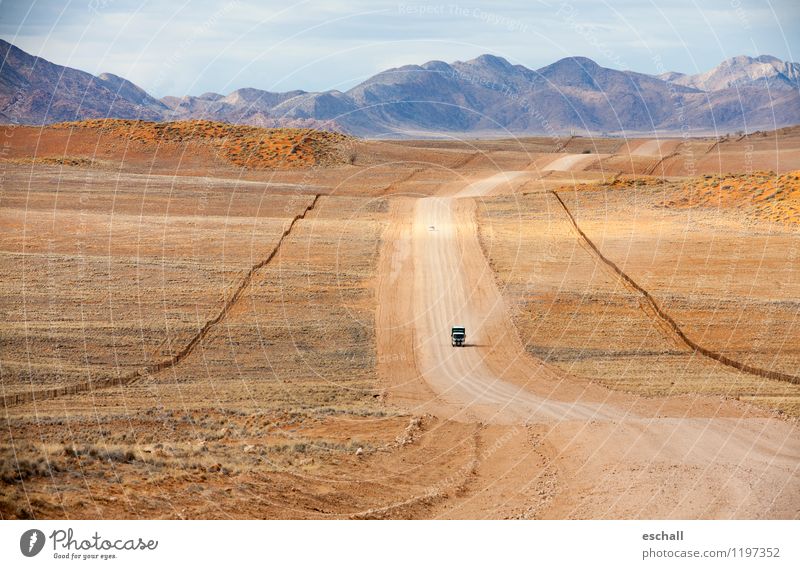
<point x="201" y="320"/>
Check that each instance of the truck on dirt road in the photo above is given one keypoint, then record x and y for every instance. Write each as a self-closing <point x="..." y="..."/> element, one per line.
<point x="457" y="335"/>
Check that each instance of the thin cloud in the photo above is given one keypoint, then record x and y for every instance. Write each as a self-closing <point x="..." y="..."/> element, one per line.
<point x="321" y="45"/>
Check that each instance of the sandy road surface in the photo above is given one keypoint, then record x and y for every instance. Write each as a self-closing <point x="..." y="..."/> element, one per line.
<point x="649" y="148"/>
<point x="559" y="447"/>
<point x="570" y="162"/>
<point x="655" y="148"/>
<point x="447" y="294"/>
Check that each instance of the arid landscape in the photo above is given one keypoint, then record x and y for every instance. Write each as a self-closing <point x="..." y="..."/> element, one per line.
<point x="203" y="320"/>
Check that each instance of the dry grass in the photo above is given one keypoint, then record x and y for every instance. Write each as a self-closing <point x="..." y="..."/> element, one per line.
<point x="710" y="273"/>
<point x="58" y="161"/>
<point x="286" y="386"/>
<point x="166" y="455"/>
<point x="111" y="282"/>
<point x="762" y="196"/>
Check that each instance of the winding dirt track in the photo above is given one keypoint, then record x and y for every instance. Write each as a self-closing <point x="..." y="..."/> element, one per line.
<point x="654" y="147"/>
<point x="563" y="447"/>
<point x="446" y="295"/>
<point x="570" y="162"/>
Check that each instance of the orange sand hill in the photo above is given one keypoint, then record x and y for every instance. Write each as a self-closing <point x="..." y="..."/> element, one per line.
<point x="619" y="182"/>
<point x="761" y="195"/>
<point x="245" y="146"/>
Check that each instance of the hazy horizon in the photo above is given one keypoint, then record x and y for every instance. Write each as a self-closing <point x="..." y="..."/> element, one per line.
<point x="197" y="47"/>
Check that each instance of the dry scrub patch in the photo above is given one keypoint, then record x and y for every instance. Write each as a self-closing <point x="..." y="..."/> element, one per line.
<point x="167" y="462"/>
<point x="184" y="147"/>
<point x="526" y="144"/>
<point x="762" y="197"/>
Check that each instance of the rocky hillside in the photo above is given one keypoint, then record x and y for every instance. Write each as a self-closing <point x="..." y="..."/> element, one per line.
<point x="35" y="91"/>
<point x="742" y="71"/>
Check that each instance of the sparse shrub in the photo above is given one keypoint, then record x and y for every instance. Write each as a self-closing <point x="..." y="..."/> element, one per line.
<point x="26" y="464"/>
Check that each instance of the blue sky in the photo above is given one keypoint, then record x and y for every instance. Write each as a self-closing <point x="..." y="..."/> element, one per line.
<point x="190" y="47"/>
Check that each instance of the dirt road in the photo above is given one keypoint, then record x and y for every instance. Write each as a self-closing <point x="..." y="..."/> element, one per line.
<point x="654" y="148"/>
<point x="570" y="162"/>
<point x="562" y="446"/>
<point x="454" y="286"/>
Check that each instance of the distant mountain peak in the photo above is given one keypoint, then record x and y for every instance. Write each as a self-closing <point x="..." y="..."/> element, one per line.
<point x="670" y="76"/>
<point x="578" y="72"/>
<point x="437" y="65"/>
<point x="743" y="70"/>
<point x="737" y="60"/>
<point x="490" y="60"/>
<point x="577" y="61"/>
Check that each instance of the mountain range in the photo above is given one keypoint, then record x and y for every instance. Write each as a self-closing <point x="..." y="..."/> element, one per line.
<point x="484" y="96"/>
